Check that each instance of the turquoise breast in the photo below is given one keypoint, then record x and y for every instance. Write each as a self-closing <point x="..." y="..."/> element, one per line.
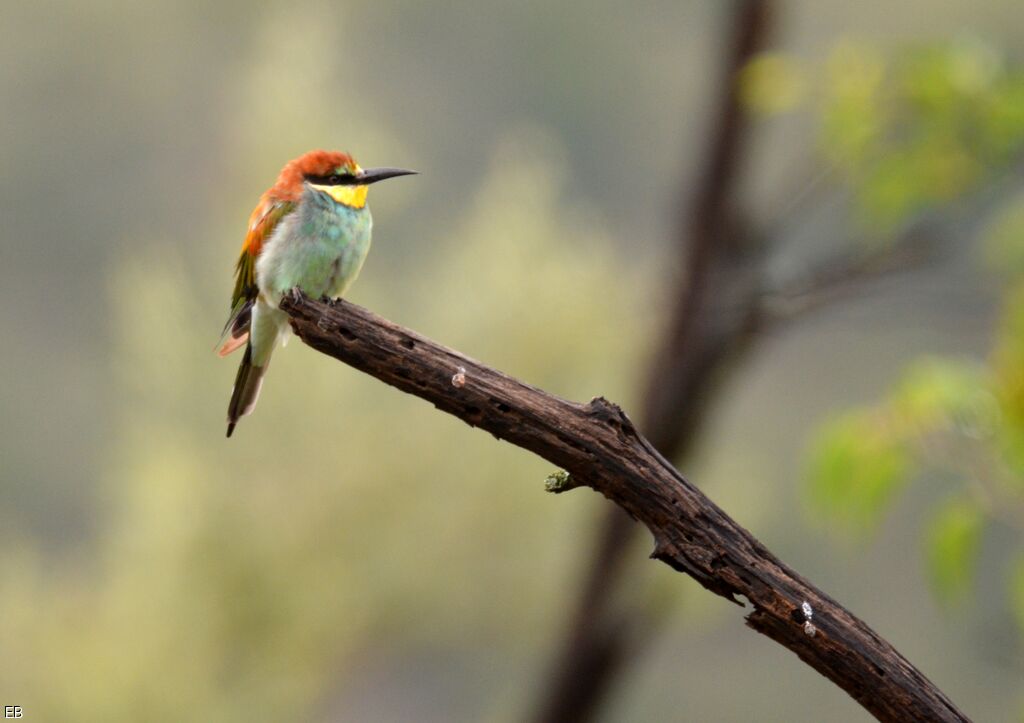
<point x="333" y="240"/>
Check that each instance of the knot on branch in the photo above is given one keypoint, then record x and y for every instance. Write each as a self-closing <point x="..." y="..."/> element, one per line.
<point x="610" y="414"/>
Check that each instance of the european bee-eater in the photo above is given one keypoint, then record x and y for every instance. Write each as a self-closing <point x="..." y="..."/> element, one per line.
<point x="310" y="231"/>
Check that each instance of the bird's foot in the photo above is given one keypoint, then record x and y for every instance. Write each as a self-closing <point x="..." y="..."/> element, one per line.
<point x="295" y="295"/>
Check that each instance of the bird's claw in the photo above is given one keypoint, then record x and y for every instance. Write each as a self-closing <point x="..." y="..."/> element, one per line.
<point x="295" y="294"/>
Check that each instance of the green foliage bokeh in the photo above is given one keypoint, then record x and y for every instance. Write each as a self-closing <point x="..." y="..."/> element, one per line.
<point x="911" y="133"/>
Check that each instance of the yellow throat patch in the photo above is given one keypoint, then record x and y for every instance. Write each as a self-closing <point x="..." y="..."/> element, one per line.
<point x="351" y="196"/>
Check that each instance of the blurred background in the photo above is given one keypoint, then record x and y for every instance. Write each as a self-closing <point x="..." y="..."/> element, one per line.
<point x="787" y="236"/>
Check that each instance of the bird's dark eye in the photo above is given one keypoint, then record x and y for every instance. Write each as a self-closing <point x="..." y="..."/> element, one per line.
<point x="332" y="179"/>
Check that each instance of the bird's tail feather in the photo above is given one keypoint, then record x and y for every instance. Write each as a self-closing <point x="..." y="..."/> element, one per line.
<point x="247" y="389"/>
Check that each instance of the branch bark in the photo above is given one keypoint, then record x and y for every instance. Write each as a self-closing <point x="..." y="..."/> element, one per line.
<point x="599" y="447"/>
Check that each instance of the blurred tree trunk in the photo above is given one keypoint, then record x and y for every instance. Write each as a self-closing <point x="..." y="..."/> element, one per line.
<point x="713" y="317"/>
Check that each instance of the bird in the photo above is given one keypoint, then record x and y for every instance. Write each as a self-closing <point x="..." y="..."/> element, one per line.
<point x="310" y="232"/>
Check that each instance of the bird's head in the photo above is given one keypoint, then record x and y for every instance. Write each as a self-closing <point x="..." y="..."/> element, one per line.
<point x="335" y="174"/>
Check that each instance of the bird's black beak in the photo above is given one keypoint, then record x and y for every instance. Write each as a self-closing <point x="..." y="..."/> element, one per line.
<point x="372" y="175"/>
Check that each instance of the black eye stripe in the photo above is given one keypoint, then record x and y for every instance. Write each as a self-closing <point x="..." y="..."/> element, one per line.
<point x="334" y="179"/>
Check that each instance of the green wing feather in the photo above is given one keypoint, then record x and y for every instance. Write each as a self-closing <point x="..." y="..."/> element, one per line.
<point x="264" y="220"/>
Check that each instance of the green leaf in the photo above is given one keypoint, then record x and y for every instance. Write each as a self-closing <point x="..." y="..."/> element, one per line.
<point x="946" y="394"/>
<point x="891" y="190"/>
<point x="952" y="540"/>
<point x="1008" y="372"/>
<point x="853" y="116"/>
<point x="1001" y="118"/>
<point x="856" y="464"/>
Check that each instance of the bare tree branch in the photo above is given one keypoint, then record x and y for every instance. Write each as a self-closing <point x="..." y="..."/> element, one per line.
<point x="843" y="277"/>
<point x="599" y="447"/>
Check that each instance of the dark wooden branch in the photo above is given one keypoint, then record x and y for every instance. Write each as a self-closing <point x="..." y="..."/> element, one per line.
<point x="598" y="446"/>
